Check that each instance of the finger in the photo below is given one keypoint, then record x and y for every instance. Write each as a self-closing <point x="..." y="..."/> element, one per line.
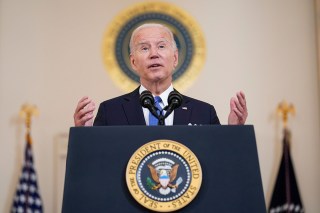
<point x="238" y="113"/>
<point x="88" y="109"/>
<point x="242" y="117"/>
<point x="242" y="100"/>
<point x="242" y="94"/>
<point x="83" y="108"/>
<point x="82" y="103"/>
<point x="238" y="105"/>
<point x="91" y="104"/>
<point x="84" y="111"/>
<point x="86" y="117"/>
<point x="232" y="103"/>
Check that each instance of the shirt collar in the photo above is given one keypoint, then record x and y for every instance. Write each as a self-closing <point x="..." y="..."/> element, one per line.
<point x="163" y="96"/>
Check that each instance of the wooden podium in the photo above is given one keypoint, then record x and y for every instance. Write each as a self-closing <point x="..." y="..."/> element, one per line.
<point x="98" y="156"/>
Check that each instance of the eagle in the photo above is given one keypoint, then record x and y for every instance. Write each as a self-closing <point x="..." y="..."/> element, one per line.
<point x="164" y="178"/>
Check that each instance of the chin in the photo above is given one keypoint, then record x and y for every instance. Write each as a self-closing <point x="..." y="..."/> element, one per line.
<point x="157" y="77"/>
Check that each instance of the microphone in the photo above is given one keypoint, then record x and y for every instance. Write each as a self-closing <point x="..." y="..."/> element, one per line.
<point x="174" y="101"/>
<point x="147" y="101"/>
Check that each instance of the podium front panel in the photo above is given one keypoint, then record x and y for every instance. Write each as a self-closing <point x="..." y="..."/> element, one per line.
<point x="98" y="156"/>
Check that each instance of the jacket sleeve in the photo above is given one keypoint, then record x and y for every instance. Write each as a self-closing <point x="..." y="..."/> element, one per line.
<point x="213" y="116"/>
<point x="100" y="119"/>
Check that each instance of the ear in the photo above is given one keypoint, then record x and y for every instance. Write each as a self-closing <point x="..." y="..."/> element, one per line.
<point x="175" y="58"/>
<point x="133" y="62"/>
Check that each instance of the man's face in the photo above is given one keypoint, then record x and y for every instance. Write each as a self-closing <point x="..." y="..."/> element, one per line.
<point x="153" y="56"/>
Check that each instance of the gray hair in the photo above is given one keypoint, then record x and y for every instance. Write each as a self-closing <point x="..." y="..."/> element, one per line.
<point x="150" y="25"/>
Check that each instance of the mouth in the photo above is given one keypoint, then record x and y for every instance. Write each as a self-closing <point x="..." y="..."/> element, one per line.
<point x="154" y="65"/>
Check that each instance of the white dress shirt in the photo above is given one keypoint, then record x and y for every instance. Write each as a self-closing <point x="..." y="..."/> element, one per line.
<point x="164" y="97"/>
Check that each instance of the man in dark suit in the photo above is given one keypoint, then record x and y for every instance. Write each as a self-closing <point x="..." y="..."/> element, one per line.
<point x="154" y="56"/>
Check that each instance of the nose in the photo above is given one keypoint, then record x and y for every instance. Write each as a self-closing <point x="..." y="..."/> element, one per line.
<point x="154" y="52"/>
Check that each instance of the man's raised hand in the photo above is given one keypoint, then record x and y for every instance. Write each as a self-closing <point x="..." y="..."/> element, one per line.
<point x="238" y="109"/>
<point x="83" y="115"/>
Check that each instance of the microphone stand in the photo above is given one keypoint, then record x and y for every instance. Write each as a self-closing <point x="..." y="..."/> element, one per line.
<point x="161" y="120"/>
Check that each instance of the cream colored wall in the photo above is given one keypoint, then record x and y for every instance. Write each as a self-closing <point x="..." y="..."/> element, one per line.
<point x="50" y="55"/>
<point x="317" y="4"/>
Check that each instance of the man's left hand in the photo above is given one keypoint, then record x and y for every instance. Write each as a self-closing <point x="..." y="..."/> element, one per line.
<point x="238" y="110"/>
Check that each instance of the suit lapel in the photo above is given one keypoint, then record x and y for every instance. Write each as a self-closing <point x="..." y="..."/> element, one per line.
<point x="183" y="113"/>
<point x="133" y="109"/>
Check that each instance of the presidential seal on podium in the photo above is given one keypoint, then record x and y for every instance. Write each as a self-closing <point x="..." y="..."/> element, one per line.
<point x="163" y="175"/>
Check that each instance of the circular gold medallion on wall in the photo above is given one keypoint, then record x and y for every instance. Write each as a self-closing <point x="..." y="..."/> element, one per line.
<point x="187" y="34"/>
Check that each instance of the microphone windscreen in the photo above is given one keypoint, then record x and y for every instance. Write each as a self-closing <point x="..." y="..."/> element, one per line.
<point x="146" y="99"/>
<point x="175" y="98"/>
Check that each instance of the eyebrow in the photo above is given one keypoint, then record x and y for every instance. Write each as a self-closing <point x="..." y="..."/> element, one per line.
<point x="148" y="42"/>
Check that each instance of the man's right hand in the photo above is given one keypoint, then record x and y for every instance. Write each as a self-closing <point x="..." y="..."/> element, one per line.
<point x="83" y="116"/>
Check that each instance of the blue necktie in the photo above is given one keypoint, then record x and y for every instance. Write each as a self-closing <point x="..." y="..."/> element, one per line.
<point x="153" y="121"/>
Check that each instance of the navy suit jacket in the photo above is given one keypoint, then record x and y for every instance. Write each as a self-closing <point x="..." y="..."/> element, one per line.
<point x="127" y="110"/>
